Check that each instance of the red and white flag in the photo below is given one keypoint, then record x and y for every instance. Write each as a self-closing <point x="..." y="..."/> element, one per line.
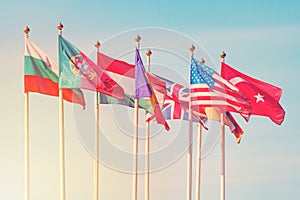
<point x="263" y="96"/>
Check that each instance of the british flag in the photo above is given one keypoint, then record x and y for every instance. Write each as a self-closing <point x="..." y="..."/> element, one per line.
<point x="176" y="103"/>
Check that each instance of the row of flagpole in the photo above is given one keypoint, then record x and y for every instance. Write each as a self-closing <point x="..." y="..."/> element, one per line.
<point x="135" y="144"/>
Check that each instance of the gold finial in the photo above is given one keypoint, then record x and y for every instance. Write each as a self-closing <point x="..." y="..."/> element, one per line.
<point x="60" y="26"/>
<point x="26" y="30"/>
<point x="137" y="38"/>
<point x="97" y="45"/>
<point x="148" y="53"/>
<point x="223" y="55"/>
<point x="202" y="61"/>
<point x="192" y="48"/>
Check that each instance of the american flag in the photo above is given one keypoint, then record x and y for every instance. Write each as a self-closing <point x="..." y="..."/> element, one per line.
<point x="176" y="103"/>
<point x="209" y="89"/>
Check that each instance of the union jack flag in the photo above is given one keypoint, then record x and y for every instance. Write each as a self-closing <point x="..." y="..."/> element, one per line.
<point x="176" y="103"/>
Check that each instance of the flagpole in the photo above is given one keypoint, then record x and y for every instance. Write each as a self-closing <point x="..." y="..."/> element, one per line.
<point x="222" y="142"/>
<point x="198" y="162"/>
<point x="135" y="138"/>
<point x="190" y="150"/>
<point x="26" y="139"/>
<point x="97" y="128"/>
<point x="147" y="144"/>
<point x="61" y="136"/>
<point x="198" y="158"/>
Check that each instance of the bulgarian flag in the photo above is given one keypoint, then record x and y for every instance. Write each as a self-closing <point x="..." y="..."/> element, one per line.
<point x="41" y="75"/>
<point x="78" y="71"/>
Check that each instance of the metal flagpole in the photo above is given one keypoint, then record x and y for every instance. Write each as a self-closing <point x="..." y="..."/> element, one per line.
<point x="147" y="144"/>
<point x="26" y="139"/>
<point x="97" y="128"/>
<point x="135" y="138"/>
<point x="198" y="158"/>
<point x="222" y="166"/>
<point x="61" y="136"/>
<point x="190" y="150"/>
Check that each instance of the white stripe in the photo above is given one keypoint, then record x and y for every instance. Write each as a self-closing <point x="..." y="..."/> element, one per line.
<point x="237" y="80"/>
<point x="225" y="82"/>
<point x="217" y="94"/>
<point x="199" y="86"/>
<point x="214" y="102"/>
<point x="35" y="52"/>
<point x="127" y="83"/>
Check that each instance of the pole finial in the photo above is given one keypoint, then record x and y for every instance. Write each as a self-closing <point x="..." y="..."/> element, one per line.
<point x="26" y="30"/>
<point x="202" y="61"/>
<point x="97" y="45"/>
<point x="149" y="52"/>
<point x="60" y="26"/>
<point x="223" y="55"/>
<point x="137" y="38"/>
<point x="192" y="48"/>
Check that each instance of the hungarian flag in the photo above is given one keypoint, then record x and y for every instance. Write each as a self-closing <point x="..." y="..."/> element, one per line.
<point x="41" y="75"/>
<point x="209" y="89"/>
<point x="264" y="97"/>
<point x="124" y="74"/>
<point x="78" y="71"/>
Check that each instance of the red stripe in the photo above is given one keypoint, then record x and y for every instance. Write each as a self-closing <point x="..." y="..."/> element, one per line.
<point x="40" y="85"/>
<point x="74" y="97"/>
<point x="48" y="87"/>
<point x="115" y="66"/>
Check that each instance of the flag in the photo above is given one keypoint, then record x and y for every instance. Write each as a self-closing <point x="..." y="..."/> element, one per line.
<point x="124" y="74"/>
<point x="264" y="97"/>
<point x="213" y="113"/>
<point x="78" y="71"/>
<point x="41" y="75"/>
<point x="234" y="127"/>
<point x="176" y="103"/>
<point x="209" y="89"/>
<point x="143" y="89"/>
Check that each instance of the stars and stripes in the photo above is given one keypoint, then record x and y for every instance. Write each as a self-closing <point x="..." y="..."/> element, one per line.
<point x="209" y="89"/>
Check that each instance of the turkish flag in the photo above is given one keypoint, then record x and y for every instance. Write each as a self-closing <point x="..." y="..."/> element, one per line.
<point x="263" y="96"/>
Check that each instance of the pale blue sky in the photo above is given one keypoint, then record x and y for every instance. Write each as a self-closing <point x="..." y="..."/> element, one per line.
<point x="261" y="39"/>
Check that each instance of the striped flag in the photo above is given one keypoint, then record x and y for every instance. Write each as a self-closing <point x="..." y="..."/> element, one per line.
<point x="209" y="89"/>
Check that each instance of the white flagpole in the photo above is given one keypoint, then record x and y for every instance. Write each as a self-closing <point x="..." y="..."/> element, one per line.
<point x="147" y="144"/>
<point x="198" y="158"/>
<point x="135" y="139"/>
<point x="97" y="128"/>
<point x="190" y="150"/>
<point x="222" y="142"/>
<point x="198" y="162"/>
<point x="26" y="139"/>
<point x="61" y="137"/>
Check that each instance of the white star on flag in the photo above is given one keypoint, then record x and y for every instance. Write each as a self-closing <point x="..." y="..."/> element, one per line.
<point x="259" y="98"/>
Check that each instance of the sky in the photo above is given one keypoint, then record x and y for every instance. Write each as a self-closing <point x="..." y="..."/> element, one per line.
<point x="261" y="39"/>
